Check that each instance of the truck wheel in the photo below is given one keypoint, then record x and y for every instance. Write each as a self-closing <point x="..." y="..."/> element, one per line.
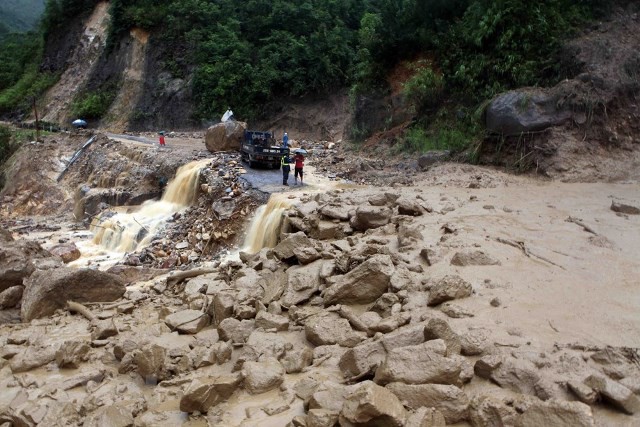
<point x="252" y="164"/>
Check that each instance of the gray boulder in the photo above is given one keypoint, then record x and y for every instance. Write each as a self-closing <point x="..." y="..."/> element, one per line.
<point x="449" y="288"/>
<point x="373" y="405"/>
<point x="67" y="251"/>
<point x="260" y="377"/>
<point x="362" y="285"/>
<point x="556" y="413"/>
<point x="450" y="400"/>
<point x="299" y="240"/>
<point x="418" y="364"/>
<point x="367" y="217"/>
<point x="329" y="329"/>
<point x="11" y="297"/>
<point x="226" y="136"/>
<point x="362" y="359"/>
<point x="71" y="354"/>
<point x="47" y="291"/>
<point x="17" y="259"/>
<point x="205" y="393"/>
<point x="430" y="158"/>
<point x="187" y="321"/>
<point x="302" y="283"/>
<point x="524" y="110"/>
<point x="614" y="393"/>
<point x="473" y="257"/>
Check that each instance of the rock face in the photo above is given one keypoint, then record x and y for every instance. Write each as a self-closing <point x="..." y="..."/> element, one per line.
<point x="522" y="111"/>
<point x="449" y="288"/>
<point x="225" y="136"/>
<point x="205" y="393"/>
<point x="67" y="251"/>
<point x="17" y="261"/>
<point x="362" y="285"/>
<point x="373" y="405"/>
<point x="47" y="291"/>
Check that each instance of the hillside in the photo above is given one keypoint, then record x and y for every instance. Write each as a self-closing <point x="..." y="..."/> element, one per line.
<point x="20" y="15"/>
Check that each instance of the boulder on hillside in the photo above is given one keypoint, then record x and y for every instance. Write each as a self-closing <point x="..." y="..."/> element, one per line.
<point x="362" y="285"/>
<point x="524" y="110"/>
<point x="225" y="136"/>
<point x="18" y="259"/>
<point x="47" y="291"/>
<point x="67" y="251"/>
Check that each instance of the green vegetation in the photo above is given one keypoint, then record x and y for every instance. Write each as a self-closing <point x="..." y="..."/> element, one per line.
<point x="93" y="105"/>
<point x="20" y="15"/>
<point x="8" y="146"/>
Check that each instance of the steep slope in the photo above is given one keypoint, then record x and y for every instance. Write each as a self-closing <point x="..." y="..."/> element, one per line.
<point x="82" y="59"/>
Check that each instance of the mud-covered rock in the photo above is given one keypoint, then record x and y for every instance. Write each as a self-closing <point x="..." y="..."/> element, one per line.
<point x="235" y="330"/>
<point x="450" y="400"/>
<point x="302" y="283"/>
<point x="473" y="257"/>
<point x="614" y="393"/>
<point x="411" y="207"/>
<point x="362" y="285"/>
<point x="103" y="329"/>
<point x="299" y="240"/>
<point x="18" y="259"/>
<point x="367" y="217"/>
<point x="329" y="329"/>
<point x="426" y="417"/>
<point x="151" y="361"/>
<point x="418" y="364"/>
<point x="449" y="288"/>
<point x="205" y="393"/>
<point x="371" y="404"/>
<point x="11" y="297"/>
<point x="225" y="136"/>
<point x="260" y="377"/>
<point x="266" y="320"/>
<point x="68" y="252"/>
<point x="556" y="413"/>
<point x="489" y="411"/>
<point x="47" y="291"/>
<point x="295" y="360"/>
<point x="187" y="321"/>
<point x="438" y="328"/>
<point x="32" y="357"/>
<point x="71" y="354"/>
<point x="624" y="208"/>
<point x="362" y="359"/>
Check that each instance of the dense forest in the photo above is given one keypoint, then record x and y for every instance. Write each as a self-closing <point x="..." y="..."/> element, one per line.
<point x="248" y="53"/>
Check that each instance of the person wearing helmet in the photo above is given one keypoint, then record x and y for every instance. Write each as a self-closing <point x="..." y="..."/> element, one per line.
<point x="285" y="162"/>
<point x="285" y="140"/>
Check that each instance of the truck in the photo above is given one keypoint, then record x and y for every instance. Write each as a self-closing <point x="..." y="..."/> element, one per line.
<point x="259" y="148"/>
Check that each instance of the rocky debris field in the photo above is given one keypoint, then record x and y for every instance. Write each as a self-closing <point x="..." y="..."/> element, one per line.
<point x="493" y="304"/>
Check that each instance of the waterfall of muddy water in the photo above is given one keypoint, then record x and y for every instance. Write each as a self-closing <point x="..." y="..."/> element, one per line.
<point x="265" y="226"/>
<point x="126" y="232"/>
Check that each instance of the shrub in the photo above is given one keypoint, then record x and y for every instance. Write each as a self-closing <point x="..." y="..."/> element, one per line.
<point x="424" y="89"/>
<point x="93" y="105"/>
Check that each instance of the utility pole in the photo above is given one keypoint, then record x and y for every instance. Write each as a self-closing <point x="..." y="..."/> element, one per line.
<point x="35" y="113"/>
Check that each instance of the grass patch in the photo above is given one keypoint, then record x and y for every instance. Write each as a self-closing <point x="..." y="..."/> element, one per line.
<point x="93" y="105"/>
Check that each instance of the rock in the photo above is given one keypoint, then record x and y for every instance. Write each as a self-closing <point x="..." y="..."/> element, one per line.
<point x="426" y="417"/>
<point x="104" y="329"/>
<point x="260" y="377"/>
<point x="362" y="285"/>
<point x="495" y="302"/>
<point x="67" y="251"/>
<point x="235" y="330"/>
<point x="294" y="361"/>
<point x="32" y="357"/>
<point x="224" y="208"/>
<point x="418" y="364"/>
<point x="187" y="321"/>
<point x="524" y="110"/>
<point x="520" y="376"/>
<point x="449" y="288"/>
<point x="362" y="359"/>
<point x="150" y="361"/>
<point x="455" y="311"/>
<point x="391" y="323"/>
<point x="438" y="328"/>
<point x="265" y="344"/>
<point x="222" y="306"/>
<point x="302" y="283"/>
<point x="11" y="297"/>
<point x="556" y="413"/>
<point x="339" y="212"/>
<point x="408" y="236"/>
<point x="110" y="416"/>
<point x="330" y="396"/>
<point x="471" y="257"/>
<point x="225" y="136"/>
<point x="614" y="393"/>
<point x="266" y="320"/>
<point x="450" y="400"/>
<point x="403" y="337"/>
<point x="583" y="392"/>
<point x="372" y="405"/>
<point x="71" y="354"/>
<point x="473" y="343"/>
<point x="205" y="393"/>
<point x="411" y="207"/>
<point x="329" y="329"/>
<point x="485" y="366"/>
<point x="432" y="157"/>
<point x="306" y="255"/>
<point x="321" y="418"/>
<point x="18" y="260"/>
<point x="5" y="236"/>
<point x="625" y="209"/>
<point x="488" y="411"/>
<point x="299" y="240"/>
<point x="47" y="291"/>
<point x="368" y="217"/>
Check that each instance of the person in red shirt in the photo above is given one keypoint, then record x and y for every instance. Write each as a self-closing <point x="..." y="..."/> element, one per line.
<point x="299" y="164"/>
<point x="162" y="139"/>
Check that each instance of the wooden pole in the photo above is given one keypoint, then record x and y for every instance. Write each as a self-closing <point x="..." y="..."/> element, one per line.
<point x="35" y="113"/>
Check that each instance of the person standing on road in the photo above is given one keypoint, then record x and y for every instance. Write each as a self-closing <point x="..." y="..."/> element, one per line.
<point x="286" y="168"/>
<point x="285" y="140"/>
<point x="162" y="138"/>
<point x="299" y="160"/>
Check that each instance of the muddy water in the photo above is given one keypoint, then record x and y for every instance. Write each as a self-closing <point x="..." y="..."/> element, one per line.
<point x="126" y="232"/>
<point x="265" y="226"/>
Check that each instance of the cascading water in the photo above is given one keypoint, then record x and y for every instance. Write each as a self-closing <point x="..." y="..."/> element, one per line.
<point x="265" y="226"/>
<point x="128" y="232"/>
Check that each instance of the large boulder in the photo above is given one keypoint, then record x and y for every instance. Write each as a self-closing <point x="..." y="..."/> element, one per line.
<point x="47" y="291"/>
<point x="362" y="285"/>
<point x="204" y="393"/>
<point x="329" y="329"/>
<point x="367" y="217"/>
<point x="448" y="399"/>
<point x="302" y="283"/>
<point x="225" y="136"/>
<point x="556" y="413"/>
<point x="524" y="110"/>
<point x="260" y="377"/>
<point x="18" y="261"/>
<point x="373" y="405"/>
<point x="418" y="364"/>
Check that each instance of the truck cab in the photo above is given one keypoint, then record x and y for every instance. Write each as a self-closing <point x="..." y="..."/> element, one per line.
<point x="259" y="148"/>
